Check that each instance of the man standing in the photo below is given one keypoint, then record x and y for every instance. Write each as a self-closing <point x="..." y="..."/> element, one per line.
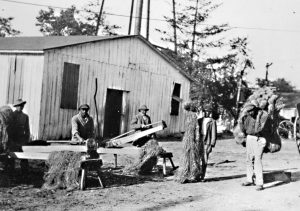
<point x="252" y="124"/>
<point x="82" y="125"/>
<point x="208" y="136"/>
<point x="140" y="123"/>
<point x="21" y="131"/>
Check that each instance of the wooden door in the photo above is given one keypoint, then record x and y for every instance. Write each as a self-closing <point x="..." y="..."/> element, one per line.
<point x="113" y="113"/>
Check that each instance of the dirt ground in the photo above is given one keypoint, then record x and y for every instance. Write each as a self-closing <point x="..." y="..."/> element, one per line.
<point x="221" y="191"/>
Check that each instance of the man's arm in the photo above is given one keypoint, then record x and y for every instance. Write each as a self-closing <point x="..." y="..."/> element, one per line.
<point x="260" y="121"/>
<point x="75" y="131"/>
<point x="135" y="124"/>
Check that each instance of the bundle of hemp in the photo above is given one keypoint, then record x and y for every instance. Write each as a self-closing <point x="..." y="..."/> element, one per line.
<point x="264" y="100"/>
<point x="147" y="159"/>
<point x="63" y="170"/>
<point x="5" y="123"/>
<point x="190" y="164"/>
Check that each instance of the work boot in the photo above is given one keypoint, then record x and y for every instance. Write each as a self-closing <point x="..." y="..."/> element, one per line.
<point x="259" y="187"/>
<point x="247" y="183"/>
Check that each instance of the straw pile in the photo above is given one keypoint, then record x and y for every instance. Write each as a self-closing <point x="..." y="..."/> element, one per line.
<point x="147" y="159"/>
<point x="265" y="100"/>
<point x="5" y="122"/>
<point x="190" y="164"/>
<point x="63" y="171"/>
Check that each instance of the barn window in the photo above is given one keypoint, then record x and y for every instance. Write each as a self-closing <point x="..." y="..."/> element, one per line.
<point x="70" y="86"/>
<point x="175" y="100"/>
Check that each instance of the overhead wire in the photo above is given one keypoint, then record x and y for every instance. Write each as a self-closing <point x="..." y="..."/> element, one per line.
<point x="155" y="19"/>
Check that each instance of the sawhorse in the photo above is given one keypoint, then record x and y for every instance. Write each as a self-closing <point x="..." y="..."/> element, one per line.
<point x="90" y="165"/>
<point x="164" y="156"/>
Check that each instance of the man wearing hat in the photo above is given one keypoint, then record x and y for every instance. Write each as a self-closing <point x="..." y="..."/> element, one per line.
<point x="21" y="131"/>
<point x="82" y="125"/>
<point x="141" y="122"/>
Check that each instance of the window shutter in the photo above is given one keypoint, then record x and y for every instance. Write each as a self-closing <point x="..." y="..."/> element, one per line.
<point x="70" y="86"/>
<point x="175" y="102"/>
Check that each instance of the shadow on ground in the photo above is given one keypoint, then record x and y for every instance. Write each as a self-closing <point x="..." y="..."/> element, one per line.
<point x="111" y="177"/>
<point x="275" y="178"/>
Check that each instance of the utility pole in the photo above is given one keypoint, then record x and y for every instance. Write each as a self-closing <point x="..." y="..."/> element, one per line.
<point x="130" y="19"/>
<point x="174" y="27"/>
<point x="99" y="18"/>
<point x="267" y="72"/>
<point x="148" y="20"/>
<point x="194" y="30"/>
<point x="138" y="21"/>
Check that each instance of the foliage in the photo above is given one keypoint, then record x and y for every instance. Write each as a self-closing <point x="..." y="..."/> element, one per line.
<point x="6" y="28"/>
<point x="281" y="84"/>
<point x="72" y="22"/>
<point x="217" y="78"/>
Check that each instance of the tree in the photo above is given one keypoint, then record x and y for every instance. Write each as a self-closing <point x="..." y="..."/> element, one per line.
<point x="217" y="78"/>
<point x="72" y="22"/>
<point x="193" y="36"/>
<point x="6" y="28"/>
<point x="281" y="84"/>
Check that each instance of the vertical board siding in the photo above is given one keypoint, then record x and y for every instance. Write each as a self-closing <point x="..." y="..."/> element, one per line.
<point x="21" y="77"/>
<point x="127" y="64"/>
<point x="4" y="76"/>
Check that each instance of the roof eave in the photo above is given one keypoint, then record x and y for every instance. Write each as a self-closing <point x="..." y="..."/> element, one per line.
<point x="22" y="51"/>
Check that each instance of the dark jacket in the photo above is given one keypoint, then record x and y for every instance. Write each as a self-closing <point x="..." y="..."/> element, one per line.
<point x="20" y="128"/>
<point x="209" y="136"/>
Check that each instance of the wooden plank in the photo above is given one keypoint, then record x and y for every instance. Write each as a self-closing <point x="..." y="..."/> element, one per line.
<point x="53" y="148"/>
<point x="30" y="155"/>
<point x="36" y="155"/>
<point x="135" y="136"/>
<point x="124" y="151"/>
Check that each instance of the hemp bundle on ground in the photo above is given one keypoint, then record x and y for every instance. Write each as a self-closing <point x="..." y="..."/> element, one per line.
<point x="266" y="100"/>
<point x="63" y="170"/>
<point x="5" y="122"/>
<point x="147" y="159"/>
<point x="190" y="164"/>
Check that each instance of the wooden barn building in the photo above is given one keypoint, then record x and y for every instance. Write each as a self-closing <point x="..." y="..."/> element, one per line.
<point x="57" y="74"/>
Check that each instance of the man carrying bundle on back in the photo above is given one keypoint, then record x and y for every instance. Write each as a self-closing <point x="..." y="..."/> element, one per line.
<point x="258" y="123"/>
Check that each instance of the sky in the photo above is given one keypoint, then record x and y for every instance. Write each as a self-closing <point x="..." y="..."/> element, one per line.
<point x="271" y="26"/>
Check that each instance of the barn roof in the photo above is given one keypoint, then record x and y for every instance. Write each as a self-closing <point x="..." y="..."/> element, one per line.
<point x="42" y="43"/>
<point x="39" y="44"/>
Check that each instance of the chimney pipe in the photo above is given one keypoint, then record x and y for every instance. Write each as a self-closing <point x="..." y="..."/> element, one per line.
<point x="138" y="17"/>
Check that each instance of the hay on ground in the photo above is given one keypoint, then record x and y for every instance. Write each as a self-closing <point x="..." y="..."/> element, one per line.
<point x="64" y="167"/>
<point x="147" y="159"/>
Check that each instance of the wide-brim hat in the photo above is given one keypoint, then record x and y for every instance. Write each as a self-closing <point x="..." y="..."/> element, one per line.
<point x="143" y="107"/>
<point x="84" y="106"/>
<point x="19" y="102"/>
